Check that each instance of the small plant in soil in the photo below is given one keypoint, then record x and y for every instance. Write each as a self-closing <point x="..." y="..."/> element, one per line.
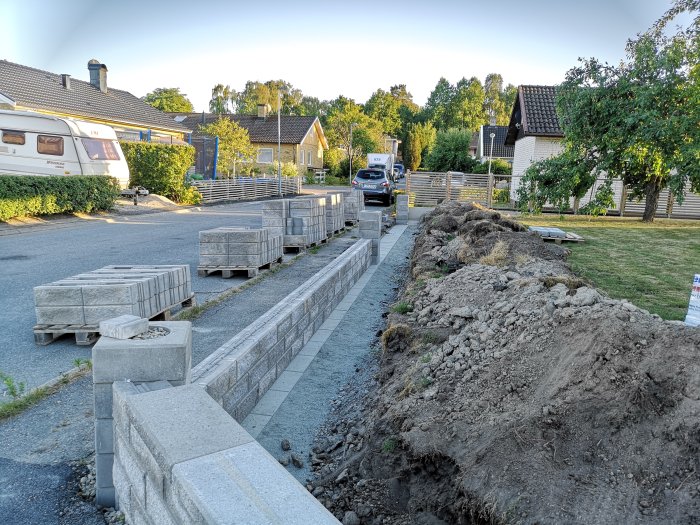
<point x="431" y="338"/>
<point x="426" y="358"/>
<point x="389" y="445"/>
<point x="402" y="308"/>
<point x="314" y="250"/>
<point x="425" y="382"/>
<point x="79" y="363"/>
<point x="13" y="389"/>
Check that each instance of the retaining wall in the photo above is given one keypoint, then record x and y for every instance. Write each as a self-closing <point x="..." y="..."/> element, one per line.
<point x="238" y="374"/>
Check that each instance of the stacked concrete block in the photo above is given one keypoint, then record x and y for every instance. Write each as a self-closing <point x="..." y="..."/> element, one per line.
<point x="239" y="373"/>
<point x="402" y="209"/>
<point x="238" y="247"/>
<point x="86" y="299"/>
<point x="353" y="204"/>
<point x="301" y="221"/>
<point x="335" y="213"/>
<point x="165" y="358"/>
<point x="371" y="228"/>
<point x="181" y="459"/>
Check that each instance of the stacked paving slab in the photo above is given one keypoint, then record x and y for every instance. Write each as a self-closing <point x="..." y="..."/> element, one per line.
<point x="302" y="222"/>
<point x="238" y="248"/>
<point x="88" y="298"/>
<point x="335" y="213"/>
<point x="402" y="209"/>
<point x="353" y="204"/>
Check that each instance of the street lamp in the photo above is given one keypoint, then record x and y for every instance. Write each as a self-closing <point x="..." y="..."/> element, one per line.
<point x="279" y="143"/>
<point x="352" y="125"/>
<point x="489" y="197"/>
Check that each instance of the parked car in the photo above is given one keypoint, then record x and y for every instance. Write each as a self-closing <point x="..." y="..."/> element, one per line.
<point x="375" y="184"/>
<point x="401" y="169"/>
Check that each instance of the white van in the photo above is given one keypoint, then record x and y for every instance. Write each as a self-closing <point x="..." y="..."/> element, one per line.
<point x="36" y="144"/>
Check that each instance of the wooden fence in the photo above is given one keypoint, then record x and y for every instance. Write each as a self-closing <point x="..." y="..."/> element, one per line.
<point x="245" y="188"/>
<point x="430" y="188"/>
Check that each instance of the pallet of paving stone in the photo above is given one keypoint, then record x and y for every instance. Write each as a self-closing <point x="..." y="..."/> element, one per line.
<point x="556" y="235"/>
<point x="229" y="271"/>
<point x="45" y="334"/>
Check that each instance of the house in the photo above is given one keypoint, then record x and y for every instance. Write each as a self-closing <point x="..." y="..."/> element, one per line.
<point x="474" y="144"/>
<point x="302" y="139"/>
<point x="500" y="150"/>
<point x="29" y="89"/>
<point x="534" y="130"/>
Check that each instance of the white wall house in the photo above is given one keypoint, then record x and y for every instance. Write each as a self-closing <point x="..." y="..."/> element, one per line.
<point x="533" y="129"/>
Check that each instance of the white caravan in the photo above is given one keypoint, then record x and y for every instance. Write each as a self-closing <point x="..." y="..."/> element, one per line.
<point x="36" y="144"/>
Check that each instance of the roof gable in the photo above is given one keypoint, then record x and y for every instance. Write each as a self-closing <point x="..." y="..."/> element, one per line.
<point x="44" y="91"/>
<point x="293" y="128"/>
<point x="534" y="114"/>
<point x="500" y="149"/>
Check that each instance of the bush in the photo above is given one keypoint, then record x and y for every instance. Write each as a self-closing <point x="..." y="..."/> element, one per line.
<point x="22" y="196"/>
<point x="289" y="169"/>
<point x="451" y="152"/>
<point x="498" y="167"/>
<point x="160" y="168"/>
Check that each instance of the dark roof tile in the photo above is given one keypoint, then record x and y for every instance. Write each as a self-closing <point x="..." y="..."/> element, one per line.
<point x="500" y="150"/>
<point x="37" y="89"/>
<point x="534" y="114"/>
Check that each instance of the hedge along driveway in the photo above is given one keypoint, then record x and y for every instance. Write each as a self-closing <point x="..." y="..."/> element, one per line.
<point x="22" y="196"/>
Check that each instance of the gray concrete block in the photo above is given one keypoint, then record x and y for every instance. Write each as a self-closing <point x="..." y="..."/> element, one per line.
<point x="122" y="488"/>
<point x="103" y="400"/>
<point x="122" y="293"/>
<point x="94" y="314"/>
<point x="105" y="496"/>
<point x="244" y="260"/>
<point x="212" y="236"/>
<point x="246" y="248"/>
<point x="134" y="473"/>
<point x="258" y="371"/>
<point x="250" y="236"/>
<point x="123" y="327"/>
<point x="266" y="381"/>
<point x="233" y="397"/>
<point x="60" y="315"/>
<point x="49" y="295"/>
<point x="182" y="423"/>
<point x="104" y="436"/>
<point x="103" y="469"/>
<point x="154" y="475"/>
<point x="156" y="508"/>
<point x="258" y="489"/>
<point x="213" y="260"/>
<point x="212" y="248"/>
<point x="165" y="358"/>
<point x="246" y="405"/>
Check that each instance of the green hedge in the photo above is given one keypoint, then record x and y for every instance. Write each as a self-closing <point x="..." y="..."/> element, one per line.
<point x="160" y="168"/>
<point x="22" y="196"/>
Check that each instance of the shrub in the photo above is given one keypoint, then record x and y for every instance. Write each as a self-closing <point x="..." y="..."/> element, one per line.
<point x="22" y="196"/>
<point x="451" y="152"/>
<point x="160" y="168"/>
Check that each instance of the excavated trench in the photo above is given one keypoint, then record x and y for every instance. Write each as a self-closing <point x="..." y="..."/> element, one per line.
<point x="509" y="391"/>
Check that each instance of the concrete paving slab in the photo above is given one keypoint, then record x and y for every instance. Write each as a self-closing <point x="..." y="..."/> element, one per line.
<point x="270" y="402"/>
<point x="300" y="363"/>
<point x="311" y="348"/>
<point x="286" y="381"/>
<point x="255" y="423"/>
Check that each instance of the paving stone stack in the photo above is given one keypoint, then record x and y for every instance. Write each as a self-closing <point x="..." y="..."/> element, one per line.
<point x="353" y="204"/>
<point x="335" y="213"/>
<point x="402" y="209"/>
<point x="239" y="247"/>
<point x="86" y="299"/>
<point x="301" y="221"/>
<point x="371" y="228"/>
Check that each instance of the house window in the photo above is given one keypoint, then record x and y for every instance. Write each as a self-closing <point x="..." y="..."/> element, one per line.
<point x="265" y="156"/>
<point x="13" y="137"/>
<point x="100" y="149"/>
<point x="308" y="158"/>
<point x="301" y="157"/>
<point x="49" y="145"/>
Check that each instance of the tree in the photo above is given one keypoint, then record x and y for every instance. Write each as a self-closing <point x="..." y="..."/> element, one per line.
<point x="220" y="99"/>
<point x="246" y="102"/>
<point x="419" y="141"/>
<point x="639" y="120"/>
<point x="451" y="151"/>
<point x="169" y="99"/>
<point x="366" y="132"/>
<point x="384" y="107"/>
<point x="466" y="109"/>
<point x="234" y="144"/>
<point x="312" y="106"/>
<point x="494" y="105"/>
<point x="437" y="107"/>
<point x="507" y="96"/>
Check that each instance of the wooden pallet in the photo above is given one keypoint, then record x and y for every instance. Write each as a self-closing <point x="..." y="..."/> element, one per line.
<point x="298" y="248"/>
<point x="570" y="237"/>
<point x="351" y="223"/>
<point x="229" y="271"/>
<point x="45" y="334"/>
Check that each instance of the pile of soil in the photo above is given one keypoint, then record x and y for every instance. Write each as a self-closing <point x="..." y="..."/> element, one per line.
<point x="510" y="392"/>
<point x="146" y="204"/>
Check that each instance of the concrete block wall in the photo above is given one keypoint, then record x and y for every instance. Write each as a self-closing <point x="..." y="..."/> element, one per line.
<point x="238" y="247"/>
<point x="402" y="209"/>
<point x="301" y="221"/>
<point x="165" y="358"/>
<point x="238" y="374"/>
<point x="371" y="228"/>
<point x="87" y="299"/>
<point x="181" y="459"/>
<point x="335" y="213"/>
<point x="353" y="204"/>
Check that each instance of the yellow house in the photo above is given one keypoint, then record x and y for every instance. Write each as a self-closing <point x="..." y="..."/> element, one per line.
<point x="302" y="139"/>
<point x="28" y="89"/>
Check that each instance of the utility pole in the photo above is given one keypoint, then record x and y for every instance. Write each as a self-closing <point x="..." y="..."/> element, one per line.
<point x="279" y="143"/>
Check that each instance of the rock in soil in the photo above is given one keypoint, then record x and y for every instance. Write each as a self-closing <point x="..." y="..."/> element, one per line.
<point x="512" y="392"/>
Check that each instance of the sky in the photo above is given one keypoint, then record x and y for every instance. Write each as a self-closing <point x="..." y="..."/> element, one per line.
<point x="324" y="48"/>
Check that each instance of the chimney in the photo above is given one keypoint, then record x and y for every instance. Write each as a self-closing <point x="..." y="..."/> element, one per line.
<point x="98" y="75"/>
<point x="263" y="110"/>
<point x="65" y="80"/>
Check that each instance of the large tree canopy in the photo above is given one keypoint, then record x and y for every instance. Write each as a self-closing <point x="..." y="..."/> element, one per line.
<point x="234" y="145"/>
<point x="639" y="120"/>
<point x="169" y="99"/>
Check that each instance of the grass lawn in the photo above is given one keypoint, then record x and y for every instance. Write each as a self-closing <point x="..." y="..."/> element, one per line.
<point x="651" y="265"/>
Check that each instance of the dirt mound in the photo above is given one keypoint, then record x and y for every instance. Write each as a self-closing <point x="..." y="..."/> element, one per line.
<point x="513" y="393"/>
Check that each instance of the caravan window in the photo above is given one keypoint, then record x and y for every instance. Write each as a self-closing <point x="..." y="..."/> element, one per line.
<point x="100" y="149"/>
<point x="13" y="137"/>
<point x="49" y="145"/>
